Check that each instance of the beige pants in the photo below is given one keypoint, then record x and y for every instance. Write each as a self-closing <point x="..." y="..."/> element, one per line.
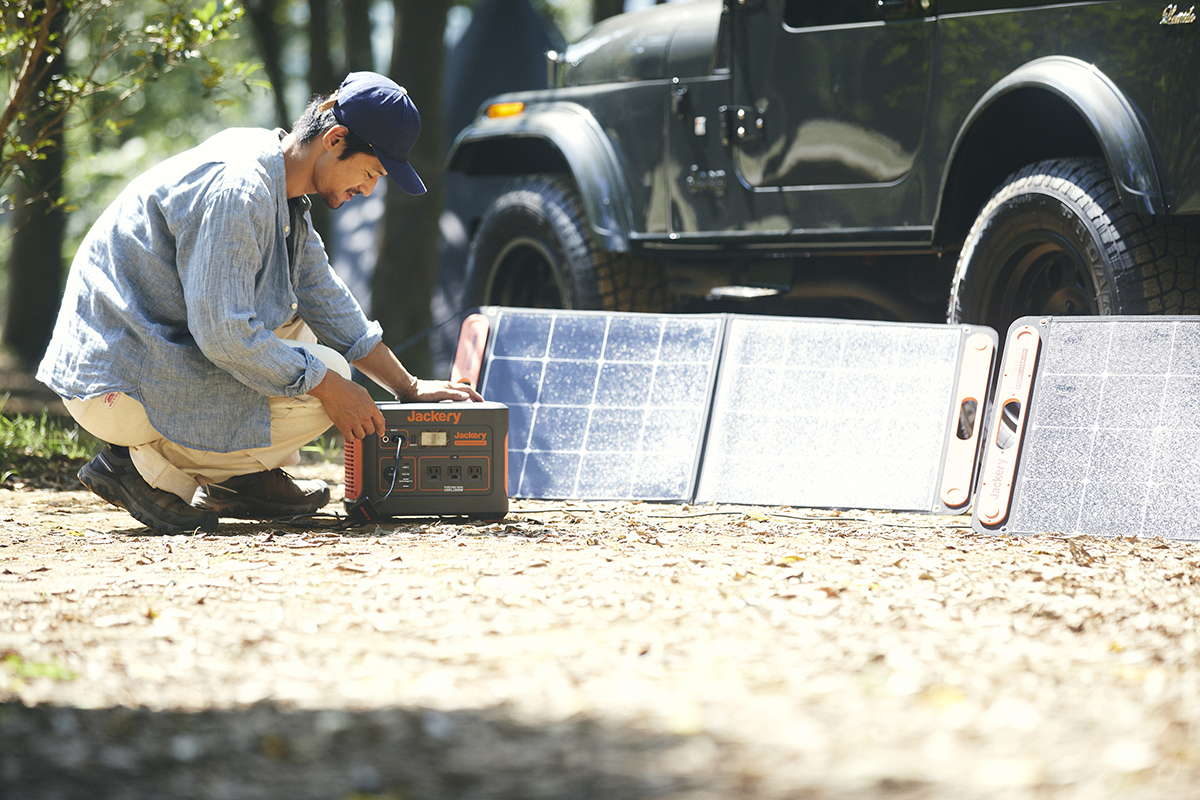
<point x="118" y="419"/>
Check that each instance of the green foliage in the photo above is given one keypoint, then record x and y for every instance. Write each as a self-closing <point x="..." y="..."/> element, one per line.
<point x="166" y="117"/>
<point x="40" y="449"/>
<point x="23" y="671"/>
<point x="326" y="450"/>
<point x="102" y="54"/>
<point x="571" y="17"/>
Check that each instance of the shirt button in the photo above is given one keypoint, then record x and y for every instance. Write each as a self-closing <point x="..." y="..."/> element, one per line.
<point x="293" y="306"/>
<point x="287" y="228"/>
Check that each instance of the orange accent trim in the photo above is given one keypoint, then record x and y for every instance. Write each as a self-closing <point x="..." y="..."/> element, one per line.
<point x="973" y="377"/>
<point x="352" y="460"/>
<point x="468" y="359"/>
<point x="1000" y="467"/>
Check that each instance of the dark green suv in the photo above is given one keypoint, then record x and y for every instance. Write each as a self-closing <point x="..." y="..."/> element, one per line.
<point x="876" y="158"/>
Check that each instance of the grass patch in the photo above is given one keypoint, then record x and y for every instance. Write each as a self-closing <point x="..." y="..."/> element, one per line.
<point x="46" y="452"/>
<point x="23" y="671"/>
<point x="324" y="450"/>
<point x="41" y="450"/>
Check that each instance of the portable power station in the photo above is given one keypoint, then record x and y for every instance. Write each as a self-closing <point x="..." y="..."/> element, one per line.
<point x="433" y="459"/>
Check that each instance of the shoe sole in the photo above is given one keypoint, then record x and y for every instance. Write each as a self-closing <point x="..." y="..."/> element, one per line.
<point x="113" y="492"/>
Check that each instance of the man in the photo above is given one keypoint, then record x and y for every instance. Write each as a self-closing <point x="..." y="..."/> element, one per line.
<point x="187" y="337"/>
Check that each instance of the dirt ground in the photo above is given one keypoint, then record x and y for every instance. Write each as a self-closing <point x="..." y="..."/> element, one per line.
<point x="572" y="650"/>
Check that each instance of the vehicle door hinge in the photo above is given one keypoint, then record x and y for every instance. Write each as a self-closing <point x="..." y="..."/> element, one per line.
<point x="679" y="99"/>
<point x="742" y="123"/>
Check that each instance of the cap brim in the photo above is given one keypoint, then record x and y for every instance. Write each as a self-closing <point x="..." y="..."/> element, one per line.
<point x="403" y="174"/>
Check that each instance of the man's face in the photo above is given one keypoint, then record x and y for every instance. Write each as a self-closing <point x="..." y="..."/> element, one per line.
<point x="337" y="180"/>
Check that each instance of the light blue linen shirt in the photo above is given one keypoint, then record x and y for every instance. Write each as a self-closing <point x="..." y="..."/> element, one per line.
<point x="173" y="296"/>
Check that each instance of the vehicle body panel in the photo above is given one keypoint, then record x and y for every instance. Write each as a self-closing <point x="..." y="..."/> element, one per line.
<point x="882" y="132"/>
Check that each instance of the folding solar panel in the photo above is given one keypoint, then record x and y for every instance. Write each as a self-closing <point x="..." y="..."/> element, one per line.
<point x="601" y="405"/>
<point x="1095" y="429"/>
<point x="846" y="414"/>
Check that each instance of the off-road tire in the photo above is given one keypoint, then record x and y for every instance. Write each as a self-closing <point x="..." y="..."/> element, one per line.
<point x="533" y="249"/>
<point x="1054" y="240"/>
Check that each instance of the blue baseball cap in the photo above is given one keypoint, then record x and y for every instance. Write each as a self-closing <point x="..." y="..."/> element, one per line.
<point x="383" y="115"/>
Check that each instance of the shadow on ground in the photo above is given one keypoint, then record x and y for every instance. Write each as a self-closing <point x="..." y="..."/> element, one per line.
<point x="265" y="751"/>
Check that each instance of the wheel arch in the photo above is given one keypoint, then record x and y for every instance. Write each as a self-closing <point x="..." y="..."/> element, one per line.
<point x="1083" y="113"/>
<point x="560" y="138"/>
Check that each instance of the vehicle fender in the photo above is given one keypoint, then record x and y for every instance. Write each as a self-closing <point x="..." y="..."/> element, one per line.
<point x="566" y="132"/>
<point x="1106" y="110"/>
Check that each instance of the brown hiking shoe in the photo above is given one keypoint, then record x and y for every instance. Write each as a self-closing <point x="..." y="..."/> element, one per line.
<point x="114" y="478"/>
<point x="263" y="495"/>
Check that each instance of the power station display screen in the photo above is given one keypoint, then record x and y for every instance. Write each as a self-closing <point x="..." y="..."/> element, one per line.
<point x="433" y="439"/>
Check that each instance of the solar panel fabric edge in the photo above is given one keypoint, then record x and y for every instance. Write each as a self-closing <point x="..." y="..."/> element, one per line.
<point x="603" y="405"/>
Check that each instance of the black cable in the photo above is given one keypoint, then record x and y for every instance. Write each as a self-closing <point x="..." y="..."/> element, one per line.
<point x="416" y="337"/>
<point x="395" y="468"/>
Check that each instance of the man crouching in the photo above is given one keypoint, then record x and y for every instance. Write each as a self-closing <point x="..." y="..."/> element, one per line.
<point x="188" y="333"/>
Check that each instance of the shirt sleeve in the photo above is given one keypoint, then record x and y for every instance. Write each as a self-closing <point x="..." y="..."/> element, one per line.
<point x="326" y="303"/>
<point x="226" y="265"/>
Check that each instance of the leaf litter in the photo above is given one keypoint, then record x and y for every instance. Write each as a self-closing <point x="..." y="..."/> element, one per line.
<point x="716" y="651"/>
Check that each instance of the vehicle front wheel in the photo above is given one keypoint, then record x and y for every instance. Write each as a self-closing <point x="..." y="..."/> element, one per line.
<point x="533" y="249"/>
<point x="1053" y="240"/>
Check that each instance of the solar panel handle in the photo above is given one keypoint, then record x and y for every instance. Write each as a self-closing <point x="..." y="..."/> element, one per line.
<point x="468" y="359"/>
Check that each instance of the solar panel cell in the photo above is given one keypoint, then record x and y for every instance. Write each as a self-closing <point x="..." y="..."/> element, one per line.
<point x="602" y="406"/>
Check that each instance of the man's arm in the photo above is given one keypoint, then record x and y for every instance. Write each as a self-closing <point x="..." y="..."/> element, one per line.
<point x="382" y="366"/>
<point x="350" y="406"/>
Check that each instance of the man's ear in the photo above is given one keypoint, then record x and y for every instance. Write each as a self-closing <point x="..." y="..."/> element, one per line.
<point x="335" y="137"/>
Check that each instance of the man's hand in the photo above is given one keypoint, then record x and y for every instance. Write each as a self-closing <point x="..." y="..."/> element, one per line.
<point x="349" y="406"/>
<point x="436" y="391"/>
<point x="382" y="366"/>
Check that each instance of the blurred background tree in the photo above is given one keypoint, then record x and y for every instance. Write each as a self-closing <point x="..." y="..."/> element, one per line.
<point x="71" y="67"/>
<point x="99" y="91"/>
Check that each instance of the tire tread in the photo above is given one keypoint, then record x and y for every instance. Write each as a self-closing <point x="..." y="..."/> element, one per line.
<point x="1153" y="260"/>
<point x="592" y="277"/>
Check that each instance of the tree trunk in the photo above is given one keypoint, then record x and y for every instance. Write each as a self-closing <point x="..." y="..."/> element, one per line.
<point x="268" y="34"/>
<point x="35" y="264"/>
<point x="407" y="266"/>
<point x="322" y="75"/>
<point x="360" y="53"/>
<point x="603" y="9"/>
<point x="322" y="79"/>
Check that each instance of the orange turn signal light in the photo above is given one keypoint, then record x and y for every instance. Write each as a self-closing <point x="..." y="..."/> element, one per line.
<point x="504" y="109"/>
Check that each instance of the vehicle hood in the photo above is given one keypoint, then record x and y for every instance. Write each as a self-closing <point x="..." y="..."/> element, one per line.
<point x="635" y="46"/>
